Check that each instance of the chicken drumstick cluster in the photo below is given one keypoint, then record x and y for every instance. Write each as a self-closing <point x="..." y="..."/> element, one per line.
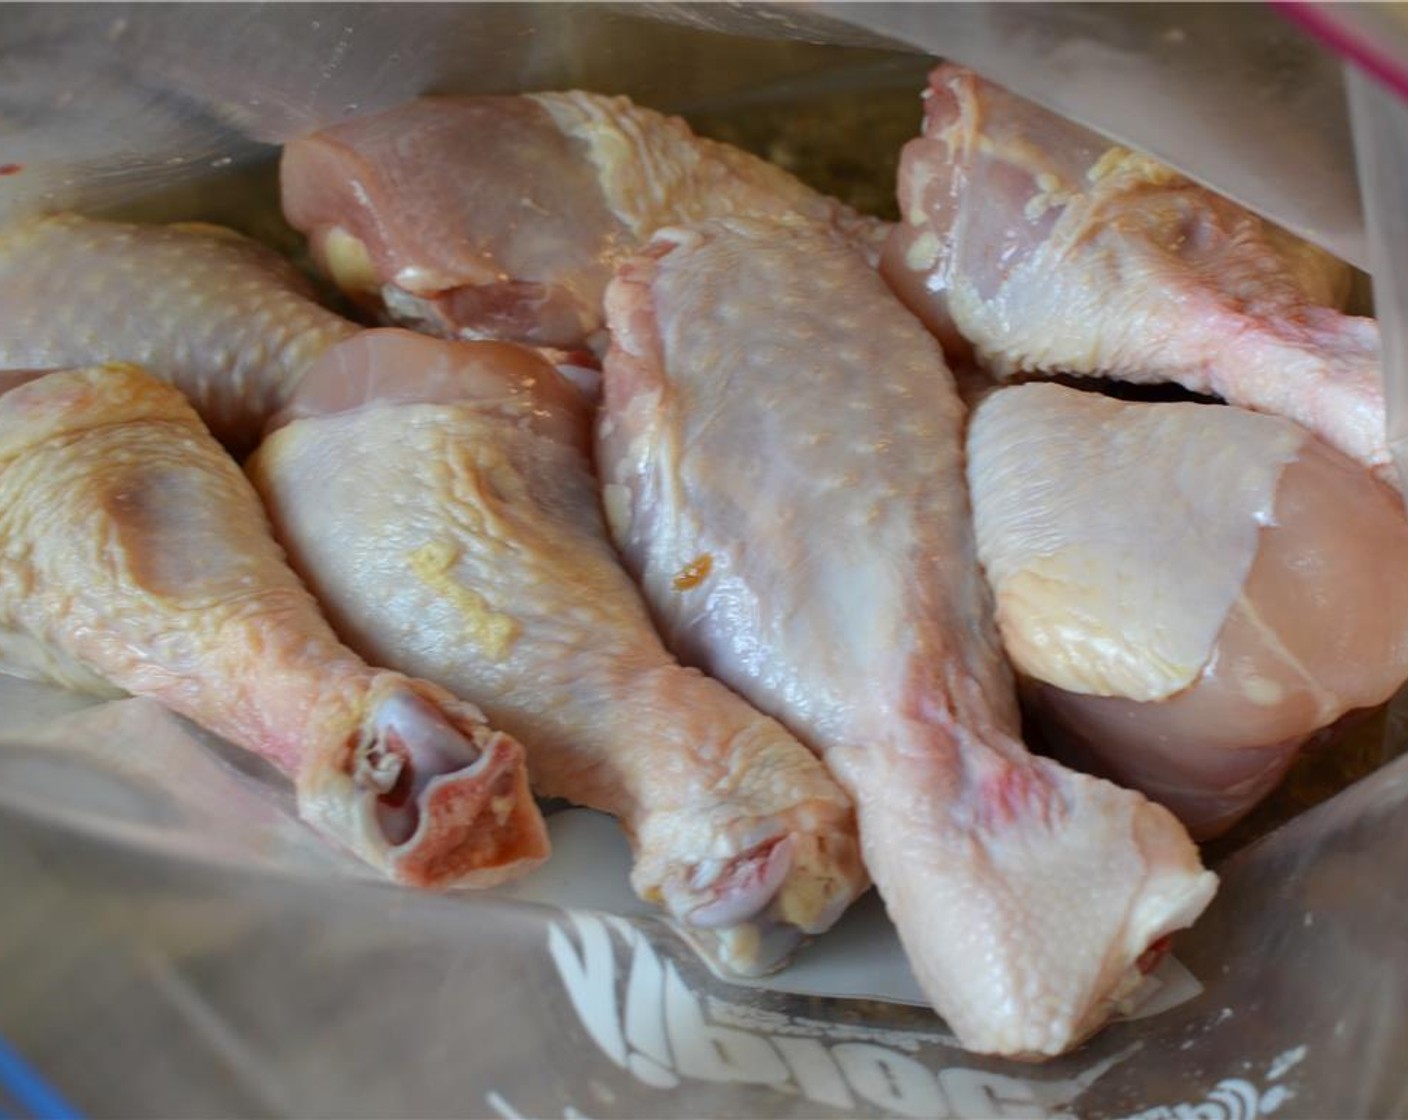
<point x="753" y="584"/>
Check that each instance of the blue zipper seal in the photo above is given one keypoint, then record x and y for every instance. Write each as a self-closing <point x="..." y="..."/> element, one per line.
<point x="24" y="1086"/>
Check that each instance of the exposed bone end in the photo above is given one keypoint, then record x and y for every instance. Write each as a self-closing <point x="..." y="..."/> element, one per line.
<point x="747" y="915"/>
<point x="1176" y="892"/>
<point x="478" y="827"/>
<point x="347" y="261"/>
<point x="1029" y="924"/>
<point x="428" y="794"/>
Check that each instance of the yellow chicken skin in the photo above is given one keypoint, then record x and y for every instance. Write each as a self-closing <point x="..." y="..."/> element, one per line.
<point x="134" y="556"/>
<point x="490" y="571"/>
<point x="1190" y="590"/>
<point x="226" y="320"/>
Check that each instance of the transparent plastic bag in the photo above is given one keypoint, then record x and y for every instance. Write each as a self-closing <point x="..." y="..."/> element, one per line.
<point x="174" y="942"/>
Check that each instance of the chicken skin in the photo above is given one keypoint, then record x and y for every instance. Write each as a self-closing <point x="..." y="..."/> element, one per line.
<point x="782" y="453"/>
<point x="502" y="217"/>
<point x="226" y="320"/>
<point x="1046" y="249"/>
<point x="1192" y="590"/>
<point x="491" y="573"/>
<point x="134" y="556"/>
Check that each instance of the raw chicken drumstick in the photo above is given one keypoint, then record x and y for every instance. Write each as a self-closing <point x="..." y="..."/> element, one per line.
<point x="490" y="571"/>
<point x="135" y="556"/>
<point x="1194" y="589"/>
<point x="230" y="323"/>
<point x="226" y="320"/>
<point x="1047" y="249"/>
<point x="502" y="217"/>
<point x="782" y="453"/>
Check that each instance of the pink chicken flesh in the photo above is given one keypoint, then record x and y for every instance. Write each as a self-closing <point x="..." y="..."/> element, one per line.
<point x="227" y="321"/>
<point x="134" y="556"/>
<point x="781" y="448"/>
<point x="1192" y="590"/>
<point x="502" y="217"/>
<point x="490" y="572"/>
<point x="1047" y="249"/>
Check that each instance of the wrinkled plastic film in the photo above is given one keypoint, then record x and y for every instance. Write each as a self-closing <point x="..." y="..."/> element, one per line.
<point x="1373" y="36"/>
<point x="175" y="942"/>
<point x="1380" y="121"/>
<point x="1230" y="94"/>
<point x="106" y="107"/>
<point x="142" y="103"/>
<point x="166" y="911"/>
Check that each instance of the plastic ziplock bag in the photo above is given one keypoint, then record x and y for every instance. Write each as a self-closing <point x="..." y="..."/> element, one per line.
<point x="174" y="942"/>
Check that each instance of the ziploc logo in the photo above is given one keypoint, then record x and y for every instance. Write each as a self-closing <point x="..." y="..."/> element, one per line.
<point x="643" y="1017"/>
<point x="24" y="1094"/>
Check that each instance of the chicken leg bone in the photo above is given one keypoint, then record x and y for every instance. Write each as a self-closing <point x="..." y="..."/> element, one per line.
<point x="1049" y="250"/>
<point x="490" y="572"/>
<point x="134" y="555"/>
<point x="771" y="409"/>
